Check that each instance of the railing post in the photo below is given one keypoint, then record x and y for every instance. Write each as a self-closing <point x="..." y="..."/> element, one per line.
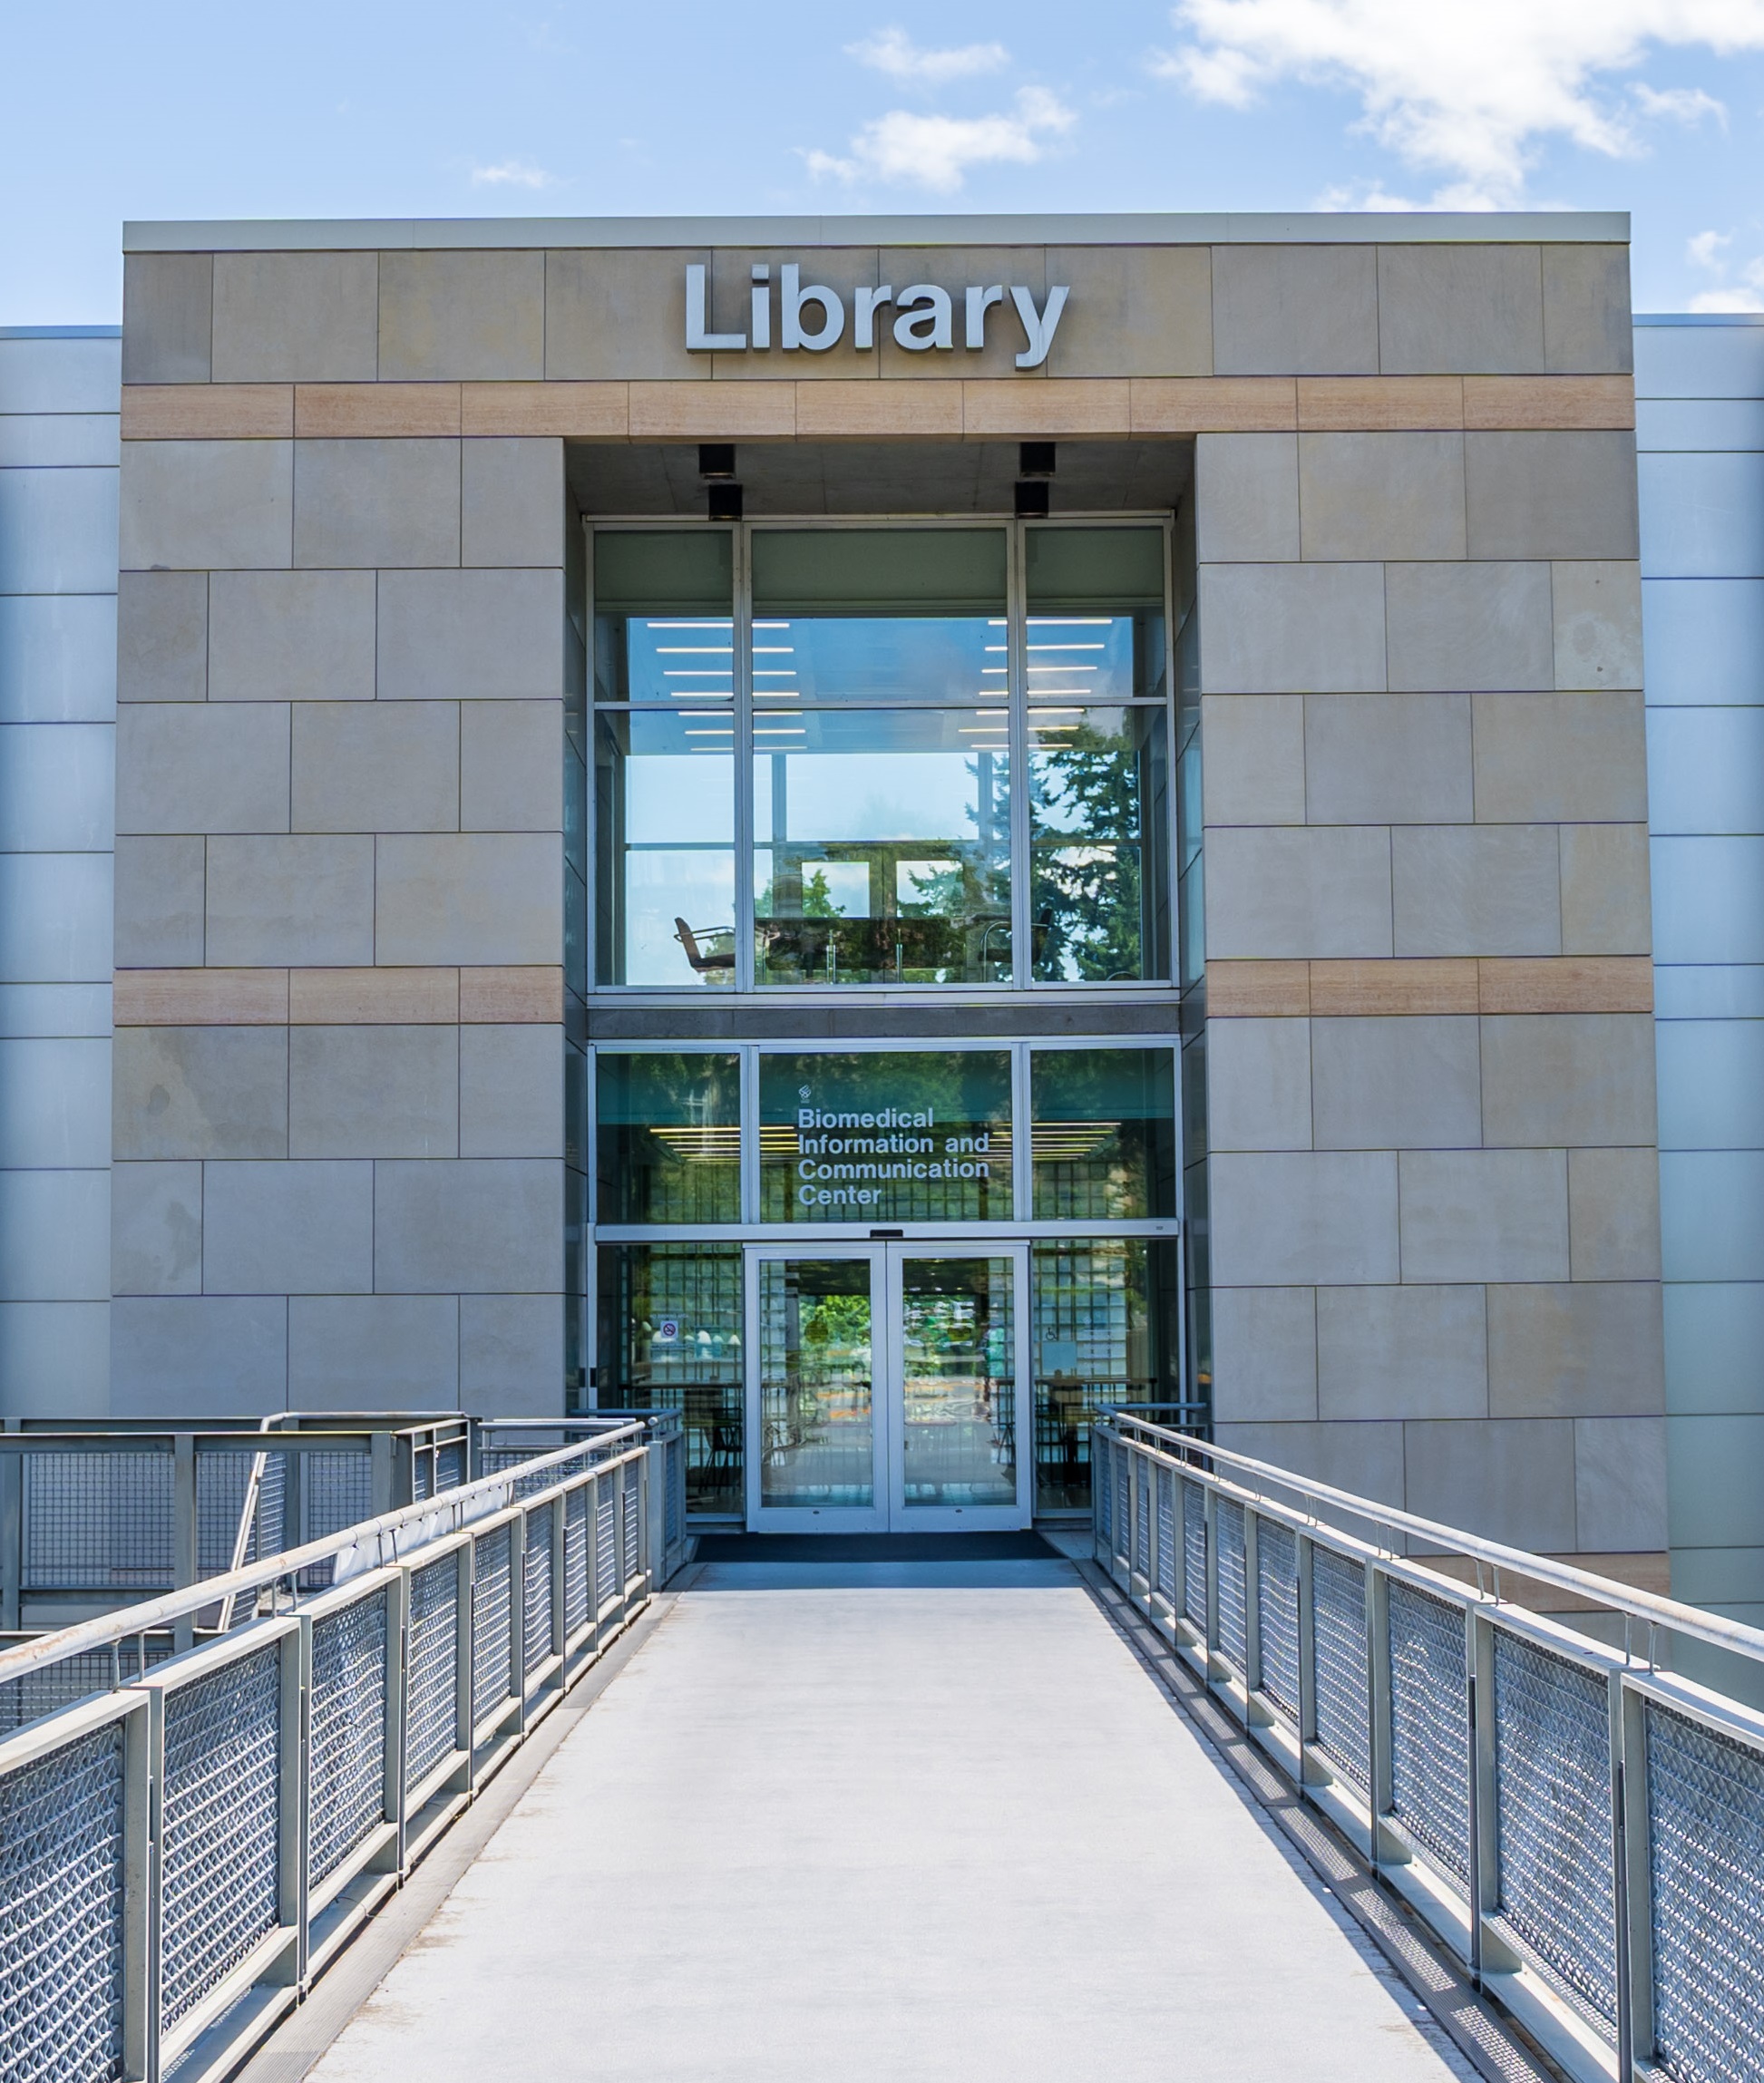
<point x="518" y="1618"/>
<point x="398" y="1704"/>
<point x="380" y="1474"/>
<point x="1635" y="1890"/>
<point x="465" y="1648"/>
<point x="1484" y="1847"/>
<point x="1252" y="1606"/>
<point x="139" y="1880"/>
<point x="1311" y="1774"/>
<point x="183" y="1531"/>
<point x="1385" y="1848"/>
<point x="293" y="1818"/>
<point x="11" y="1537"/>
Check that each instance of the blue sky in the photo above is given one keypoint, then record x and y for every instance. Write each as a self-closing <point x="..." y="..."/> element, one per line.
<point x="453" y="109"/>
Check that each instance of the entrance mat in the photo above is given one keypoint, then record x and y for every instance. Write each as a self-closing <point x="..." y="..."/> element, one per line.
<point x="875" y="1547"/>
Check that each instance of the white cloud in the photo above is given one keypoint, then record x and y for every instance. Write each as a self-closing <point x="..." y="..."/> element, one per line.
<point x="1687" y="105"/>
<point x="936" y="151"/>
<point x="512" y="173"/>
<point x="1472" y="90"/>
<point x="1706" y="251"/>
<point x="1728" y="300"/>
<point x="894" y="52"/>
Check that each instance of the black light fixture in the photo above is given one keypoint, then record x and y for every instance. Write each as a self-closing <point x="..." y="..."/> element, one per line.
<point x="1031" y="499"/>
<point x="1034" y="459"/>
<point x="716" y="459"/>
<point x="724" y="502"/>
<point x="1035" y="467"/>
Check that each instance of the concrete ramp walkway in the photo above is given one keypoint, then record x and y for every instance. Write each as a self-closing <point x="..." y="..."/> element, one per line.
<point x="916" y="1821"/>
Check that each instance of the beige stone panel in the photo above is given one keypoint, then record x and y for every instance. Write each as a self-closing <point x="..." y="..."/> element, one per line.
<point x="159" y="902"/>
<point x="1605" y="897"/>
<point x="1513" y="402"/>
<point x="296" y="317"/>
<point x="1386" y="989"/>
<point x="1402" y="1352"/>
<point x="1573" y="1079"/>
<point x="842" y="270"/>
<point x="374" y="1090"/>
<point x="1258" y="991"/>
<point x="835" y="410"/>
<point x="1295" y="310"/>
<point x="291" y="637"/>
<point x="368" y="503"/>
<point x="369" y="997"/>
<point x="611" y="314"/>
<point x="952" y="268"/>
<point x="1254" y="771"/>
<point x="1246" y="499"/>
<point x="1292" y="628"/>
<point x="1378" y="495"/>
<point x="510" y="1091"/>
<point x="1573" y="984"/>
<point x="512" y="1354"/>
<point x="156" y="1227"/>
<point x="475" y="634"/>
<point x="1586" y="308"/>
<point x="510" y="994"/>
<point x="1056" y="406"/>
<point x="1211" y="404"/>
<point x="466" y="314"/>
<point x="1364" y="1458"/>
<point x="197" y="505"/>
<point x="712" y="411"/>
<point x="1264" y="1354"/>
<point x="1509" y="1480"/>
<point x="1449" y="309"/>
<point x="362" y="411"/>
<point x="376" y="767"/>
<point x="162" y="636"/>
<point x="1619" y="1483"/>
<point x="585" y="412"/>
<point x="473" y="1226"/>
<point x="1550" y="494"/>
<point x="168" y="317"/>
<point x="207" y="412"/>
<point x="1469" y="890"/>
<point x="511" y="502"/>
<point x="190" y="766"/>
<point x="1560" y="757"/>
<point x="200" y="997"/>
<point x="302" y="1228"/>
<point x="1484" y="1215"/>
<point x="1598" y="623"/>
<point x="1303" y="1218"/>
<point x="1288" y="893"/>
<point x="1614" y="1214"/>
<point x="1257" y="1083"/>
<point x="1386" y="759"/>
<point x="362" y="1352"/>
<point x="511" y="766"/>
<point x="199" y="1092"/>
<point x="1383" y="1083"/>
<point x="1584" y="1348"/>
<point x="1456" y="627"/>
<point x="469" y="897"/>
<point x="1134" y="311"/>
<point x="1371" y="404"/>
<point x="222" y="1356"/>
<point x="302" y="901"/>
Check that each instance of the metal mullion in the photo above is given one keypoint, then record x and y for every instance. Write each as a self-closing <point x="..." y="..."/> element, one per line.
<point x="1022" y="1135"/>
<point x="741" y="639"/>
<point x="1172" y="754"/>
<point x="1022" y="947"/>
<point x="749" y="1137"/>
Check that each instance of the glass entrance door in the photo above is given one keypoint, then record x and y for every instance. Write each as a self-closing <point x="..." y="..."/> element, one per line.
<point x="883" y="1388"/>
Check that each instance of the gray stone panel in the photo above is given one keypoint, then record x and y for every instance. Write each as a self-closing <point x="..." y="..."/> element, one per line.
<point x="1321" y="1218"/>
<point x="1290" y="891"/>
<point x="1485" y="1215"/>
<point x="184" y="766"/>
<point x="1476" y="890"/>
<point x="1295" y="628"/>
<point x="167" y="315"/>
<point x="479" y="1226"/>
<point x="1605" y="890"/>
<point x="1387" y="759"/>
<point x="601" y="311"/>
<point x="162" y="636"/>
<point x="156" y="1229"/>
<point x="511" y="503"/>
<point x="1135" y="311"/>
<point x="1406" y="1352"/>
<point x="287" y="1228"/>
<point x="510" y="1091"/>
<point x="203" y="505"/>
<point x="296" y="317"/>
<point x="363" y="503"/>
<point x="1585" y="1080"/>
<point x="512" y="1354"/>
<point x="1246" y="499"/>
<point x="1395" y="1084"/>
<point x="1578" y="758"/>
<point x="1592" y="1348"/>
<point x="374" y="1092"/>
<point x="1264" y="1354"/>
<point x="296" y="902"/>
<point x="198" y="1356"/>
<point x="1295" y="310"/>
<point x="464" y="636"/>
<point x="1598" y="623"/>
<point x="511" y="766"/>
<point x="1471" y="627"/>
<point x="373" y="1352"/>
<point x="160" y="903"/>
<point x="450" y="316"/>
<point x="1614" y="1214"/>
<point x="1510" y="1479"/>
<point x="291" y="637"/>
<point x="1460" y="310"/>
<point x="1620" y="1487"/>
<point x="1382" y="495"/>
<point x="1254" y="769"/>
<point x="1365" y="1457"/>
<point x="1561" y="494"/>
<point x="376" y="767"/>
<point x="199" y="1092"/>
<point x="492" y="898"/>
<point x="1258" y="1082"/>
<point x="1586" y="313"/>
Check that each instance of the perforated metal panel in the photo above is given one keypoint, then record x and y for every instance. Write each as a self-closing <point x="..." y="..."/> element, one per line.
<point x="606" y="1539"/>
<point x="577" y="1608"/>
<point x="1193" y="1553"/>
<point x="1165" y="1577"/>
<point x="1429" y="1727"/>
<point x="219" y="1837"/>
<point x="98" y="1521"/>
<point x="62" y="1855"/>
<point x="432" y="1673"/>
<point x="1553" y="1807"/>
<point x="346" y="1795"/>
<point x="1338" y="1595"/>
<point x="493" y="1622"/>
<point x="1705" y="1800"/>
<point x="1233" y="1640"/>
<point x="1277" y="1613"/>
<point x="536" y="1589"/>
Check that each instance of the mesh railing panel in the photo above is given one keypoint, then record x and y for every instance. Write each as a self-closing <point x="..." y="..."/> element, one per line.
<point x="578" y="1608"/>
<point x="1165" y="1577"/>
<point x="47" y="1691"/>
<point x="1233" y="1612"/>
<point x="98" y="1521"/>
<point x="1142" y="1513"/>
<point x="1337" y="1608"/>
<point x="449" y="1465"/>
<point x="1193" y="1553"/>
<point x="606" y="1540"/>
<point x="1277" y="1613"/>
<point x="346" y="1794"/>
<point x="493" y="1622"/>
<point x="1706" y="1857"/>
<point x="337" y="1492"/>
<point x="1102" y="1473"/>
<point x="536" y="1589"/>
<point x="674" y="1469"/>
<point x="432" y="1674"/>
<point x="62" y="1858"/>
<point x="1119" y="1490"/>
<point x="633" y="1520"/>
<point x="221" y="1835"/>
<point x="1429" y="1727"/>
<point x="1553" y="1811"/>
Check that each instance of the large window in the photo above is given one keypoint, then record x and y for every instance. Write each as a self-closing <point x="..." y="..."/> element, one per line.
<point x="867" y="756"/>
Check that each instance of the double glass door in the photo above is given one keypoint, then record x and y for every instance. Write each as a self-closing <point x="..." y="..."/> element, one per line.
<point x="885" y="1384"/>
